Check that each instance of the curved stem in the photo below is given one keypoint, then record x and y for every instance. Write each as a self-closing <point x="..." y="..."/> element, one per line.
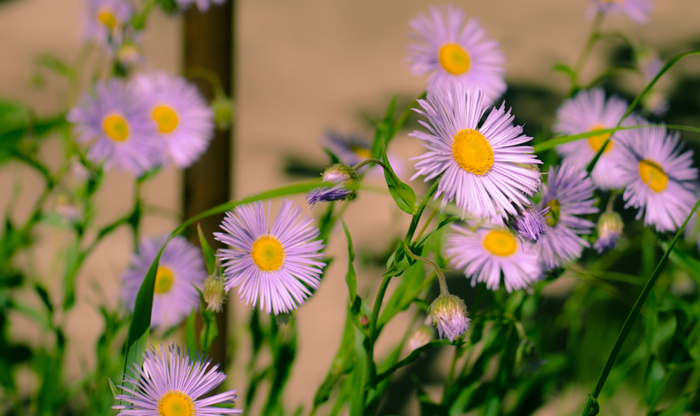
<point x="371" y="370"/>
<point x="438" y="271"/>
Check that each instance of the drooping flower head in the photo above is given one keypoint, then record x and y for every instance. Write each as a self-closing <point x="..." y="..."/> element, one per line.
<point x="637" y="10"/>
<point x="178" y="112"/>
<point x="660" y="177"/>
<point x="275" y="263"/>
<point x="449" y="315"/>
<point x="609" y="231"/>
<point x="568" y="194"/>
<point x="448" y="49"/>
<point x="118" y="128"/>
<point x="531" y="223"/>
<point x="483" y="168"/>
<point x="345" y="179"/>
<point x="172" y="384"/>
<point x="105" y="21"/>
<point x="180" y="269"/>
<point x="214" y="293"/>
<point x="488" y="253"/>
<point x="202" y="5"/>
<point x="588" y="111"/>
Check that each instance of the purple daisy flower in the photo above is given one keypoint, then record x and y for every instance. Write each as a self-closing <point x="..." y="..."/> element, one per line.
<point x="202" y="5"/>
<point x="637" y="10"/>
<point x="568" y="193"/>
<point x="481" y="164"/>
<point x="589" y="111"/>
<point x="660" y="177"/>
<point x="180" y="269"/>
<point x="122" y="135"/>
<point x="106" y="20"/>
<point x="609" y="231"/>
<point x="449" y="49"/>
<point x="184" y="121"/>
<point x="531" y="223"/>
<point x="487" y="253"/>
<point x="171" y="385"/>
<point x="275" y="263"/>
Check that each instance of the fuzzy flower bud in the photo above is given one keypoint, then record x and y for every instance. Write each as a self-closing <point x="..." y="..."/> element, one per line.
<point x="214" y="293"/>
<point x="609" y="230"/>
<point x="449" y="315"/>
<point x="420" y="337"/>
<point x="340" y="174"/>
<point x="531" y="223"/>
<point x="222" y="106"/>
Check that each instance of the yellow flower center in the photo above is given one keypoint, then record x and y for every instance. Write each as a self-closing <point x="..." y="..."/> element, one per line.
<point x="361" y="151"/>
<point x="472" y="151"/>
<point x="268" y="253"/>
<point x="500" y="243"/>
<point x="164" y="280"/>
<point x="116" y="128"/>
<point x="454" y="59"/>
<point x="107" y="18"/>
<point x="554" y="212"/>
<point x="596" y="142"/>
<point x="175" y="403"/>
<point x="653" y="175"/>
<point x="166" y="118"/>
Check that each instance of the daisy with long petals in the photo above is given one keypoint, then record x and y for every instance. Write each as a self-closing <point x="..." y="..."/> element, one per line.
<point x="276" y="264"/>
<point x="172" y="384"/>
<point x="184" y="121"/>
<point x="637" y="10"/>
<point x="118" y="128"/>
<point x="590" y="111"/>
<point x="447" y="48"/>
<point x="568" y="194"/>
<point x="482" y="165"/>
<point x="491" y="252"/>
<point x="105" y="21"/>
<point x="180" y="269"/>
<point x="660" y="177"/>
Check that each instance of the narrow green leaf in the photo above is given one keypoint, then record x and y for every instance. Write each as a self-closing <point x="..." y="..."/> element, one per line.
<point x="351" y="276"/>
<point x="112" y="387"/>
<point x="207" y="252"/>
<point x="190" y="337"/>
<point x="44" y="295"/>
<point x="403" y="195"/>
<point x="342" y="364"/>
<point x="209" y="331"/>
<point x="654" y="381"/>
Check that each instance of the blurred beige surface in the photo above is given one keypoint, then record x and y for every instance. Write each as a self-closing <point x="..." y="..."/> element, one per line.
<point x="304" y="66"/>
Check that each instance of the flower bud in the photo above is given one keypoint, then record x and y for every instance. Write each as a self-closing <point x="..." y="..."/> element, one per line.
<point x="214" y="293"/>
<point x="609" y="230"/>
<point x="420" y="337"/>
<point x="449" y="315"/>
<point x="531" y="223"/>
<point x="222" y="106"/>
<point x="340" y="174"/>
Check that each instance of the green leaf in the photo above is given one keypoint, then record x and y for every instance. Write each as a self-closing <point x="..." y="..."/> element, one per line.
<point x="74" y="259"/>
<point x="403" y="194"/>
<point x="351" y="276"/>
<point x="113" y="388"/>
<point x="654" y="381"/>
<point x="342" y="364"/>
<point x="190" y="337"/>
<point x="679" y="353"/>
<point x="564" y="69"/>
<point x="44" y="295"/>
<point x="207" y="252"/>
<point x="56" y="65"/>
<point x="209" y="331"/>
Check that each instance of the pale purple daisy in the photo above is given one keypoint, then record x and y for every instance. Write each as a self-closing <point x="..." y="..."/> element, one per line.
<point x="590" y="111"/>
<point x="275" y="263"/>
<point x="660" y="177"/>
<point x="202" y="5"/>
<point x="637" y="10"/>
<point x="105" y="21"/>
<point x="172" y="384"/>
<point x="483" y="166"/>
<point x="449" y="49"/>
<point x="488" y="253"/>
<point x="184" y="121"/>
<point x="118" y="127"/>
<point x="531" y="223"/>
<point x="568" y="194"/>
<point x="180" y="269"/>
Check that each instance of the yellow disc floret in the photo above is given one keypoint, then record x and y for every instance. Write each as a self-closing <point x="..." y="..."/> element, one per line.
<point x="268" y="253"/>
<point x="166" y="118"/>
<point x="596" y="142"/>
<point x="164" y="280"/>
<point x="500" y="243"/>
<point x="454" y="59"/>
<point x="554" y="212"/>
<point x="176" y="403"/>
<point x="653" y="175"/>
<point x="116" y="128"/>
<point x="106" y="17"/>
<point x="472" y="152"/>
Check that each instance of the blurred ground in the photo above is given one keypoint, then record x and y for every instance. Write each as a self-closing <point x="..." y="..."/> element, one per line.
<point x="303" y="66"/>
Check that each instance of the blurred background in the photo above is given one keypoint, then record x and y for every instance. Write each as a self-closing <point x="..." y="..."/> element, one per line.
<point x="304" y="67"/>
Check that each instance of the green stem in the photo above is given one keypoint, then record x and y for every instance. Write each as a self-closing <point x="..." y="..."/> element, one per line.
<point x="371" y="369"/>
<point x="592" y="39"/>
<point x="416" y="217"/>
<point x="627" y="327"/>
<point x="427" y="222"/>
<point x="438" y="271"/>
